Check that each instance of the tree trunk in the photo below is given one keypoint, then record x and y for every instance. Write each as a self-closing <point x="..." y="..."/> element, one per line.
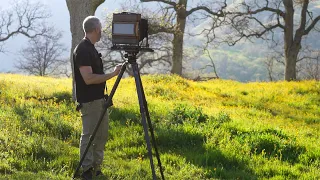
<point x="290" y="58"/>
<point x="290" y="65"/>
<point x="79" y="10"/>
<point x="178" y="38"/>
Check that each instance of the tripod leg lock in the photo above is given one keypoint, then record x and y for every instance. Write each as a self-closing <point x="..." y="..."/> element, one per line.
<point x="106" y="99"/>
<point x="78" y="106"/>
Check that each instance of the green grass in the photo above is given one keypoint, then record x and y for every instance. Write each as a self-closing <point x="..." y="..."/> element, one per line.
<point x="218" y="129"/>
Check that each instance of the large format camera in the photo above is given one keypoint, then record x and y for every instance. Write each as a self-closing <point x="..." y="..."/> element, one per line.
<point x="129" y="31"/>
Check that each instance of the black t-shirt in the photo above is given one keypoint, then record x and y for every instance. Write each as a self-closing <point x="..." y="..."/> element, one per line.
<point x="85" y="54"/>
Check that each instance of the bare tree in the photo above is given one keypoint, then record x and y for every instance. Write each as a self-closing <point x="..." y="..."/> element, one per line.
<point x="270" y="67"/>
<point x="274" y="64"/>
<point x="265" y="18"/>
<point x="274" y="60"/>
<point x="211" y="64"/>
<point x="306" y="67"/>
<point x="63" y="69"/>
<point x="309" y="68"/>
<point x="22" y="18"/>
<point x="43" y="55"/>
<point x="174" y="16"/>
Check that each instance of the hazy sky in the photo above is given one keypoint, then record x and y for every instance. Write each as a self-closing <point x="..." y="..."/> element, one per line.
<point x="60" y="19"/>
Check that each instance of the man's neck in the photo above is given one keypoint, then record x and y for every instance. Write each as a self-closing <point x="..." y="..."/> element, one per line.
<point x="88" y="36"/>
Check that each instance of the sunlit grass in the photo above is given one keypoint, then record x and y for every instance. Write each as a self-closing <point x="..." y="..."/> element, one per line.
<point x="219" y="129"/>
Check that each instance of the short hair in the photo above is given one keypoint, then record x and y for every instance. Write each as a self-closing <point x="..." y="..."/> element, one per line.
<point x="90" y="23"/>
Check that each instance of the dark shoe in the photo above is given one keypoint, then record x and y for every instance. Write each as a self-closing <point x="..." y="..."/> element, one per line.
<point x="87" y="175"/>
<point x="99" y="173"/>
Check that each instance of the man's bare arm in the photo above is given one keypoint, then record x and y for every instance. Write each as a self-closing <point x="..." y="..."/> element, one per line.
<point x="90" y="78"/>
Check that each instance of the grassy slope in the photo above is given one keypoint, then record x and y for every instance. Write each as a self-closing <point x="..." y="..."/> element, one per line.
<point x="215" y="129"/>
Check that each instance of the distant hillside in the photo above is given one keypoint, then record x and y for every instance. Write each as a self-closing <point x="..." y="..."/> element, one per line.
<point x="204" y="130"/>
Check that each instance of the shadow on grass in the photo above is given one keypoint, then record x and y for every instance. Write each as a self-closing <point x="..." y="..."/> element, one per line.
<point x="271" y="142"/>
<point x="57" y="97"/>
<point x="191" y="146"/>
<point x="43" y="124"/>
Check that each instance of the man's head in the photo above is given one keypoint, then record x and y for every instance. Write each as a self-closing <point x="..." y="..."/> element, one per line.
<point x="92" y="28"/>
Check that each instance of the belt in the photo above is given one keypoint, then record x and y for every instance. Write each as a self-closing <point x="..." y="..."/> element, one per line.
<point x="79" y="105"/>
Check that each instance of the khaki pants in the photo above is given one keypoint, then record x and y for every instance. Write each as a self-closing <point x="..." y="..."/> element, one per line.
<point x="90" y="114"/>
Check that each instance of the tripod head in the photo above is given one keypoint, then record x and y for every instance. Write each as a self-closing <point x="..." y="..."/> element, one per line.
<point x="131" y="51"/>
<point x="130" y="48"/>
<point x="131" y="56"/>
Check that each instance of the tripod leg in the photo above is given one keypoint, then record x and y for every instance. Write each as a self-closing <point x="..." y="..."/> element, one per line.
<point x="151" y="129"/>
<point x="115" y="86"/>
<point x="143" y="114"/>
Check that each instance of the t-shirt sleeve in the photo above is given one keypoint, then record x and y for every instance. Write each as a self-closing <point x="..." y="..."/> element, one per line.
<point x="83" y="58"/>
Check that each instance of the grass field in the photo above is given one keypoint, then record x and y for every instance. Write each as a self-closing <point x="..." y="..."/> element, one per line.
<point x="218" y="129"/>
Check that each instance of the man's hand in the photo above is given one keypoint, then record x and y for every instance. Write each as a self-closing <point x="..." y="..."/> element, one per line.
<point x="117" y="69"/>
<point x="90" y="78"/>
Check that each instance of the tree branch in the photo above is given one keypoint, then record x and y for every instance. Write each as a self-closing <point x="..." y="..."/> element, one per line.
<point x="250" y="12"/>
<point x="258" y="34"/>
<point x="27" y="19"/>
<point x="206" y="9"/>
<point x="314" y="22"/>
<point x="163" y="1"/>
<point x="303" y="20"/>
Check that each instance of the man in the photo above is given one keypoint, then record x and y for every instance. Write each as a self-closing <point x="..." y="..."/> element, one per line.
<point x="90" y="85"/>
